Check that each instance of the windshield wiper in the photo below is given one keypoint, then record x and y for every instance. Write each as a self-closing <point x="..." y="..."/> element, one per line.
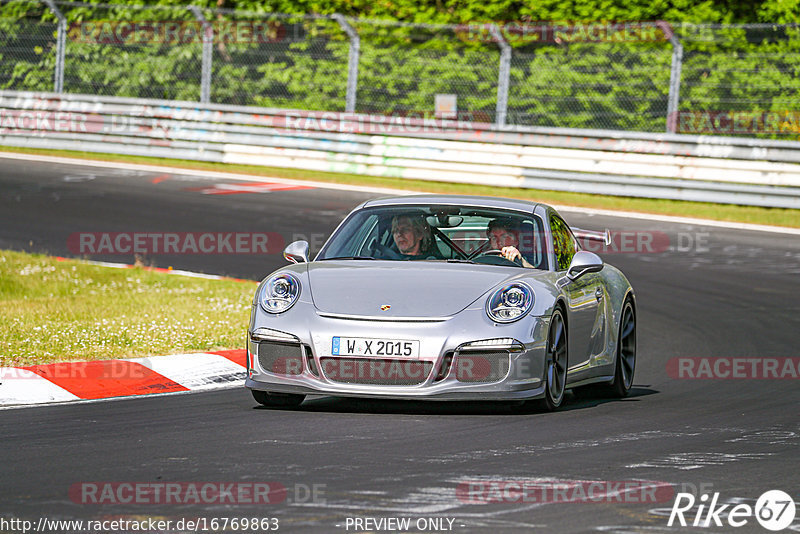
<point x="351" y="258"/>
<point x="458" y="260"/>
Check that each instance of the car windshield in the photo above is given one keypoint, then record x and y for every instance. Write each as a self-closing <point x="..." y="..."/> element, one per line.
<point x="455" y="234"/>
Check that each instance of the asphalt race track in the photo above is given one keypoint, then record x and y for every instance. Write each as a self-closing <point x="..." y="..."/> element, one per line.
<point x="714" y="292"/>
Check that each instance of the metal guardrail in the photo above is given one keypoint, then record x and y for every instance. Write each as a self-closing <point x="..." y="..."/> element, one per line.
<point x="668" y="166"/>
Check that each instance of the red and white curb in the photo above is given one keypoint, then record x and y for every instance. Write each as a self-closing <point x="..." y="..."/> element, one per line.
<point x="103" y="379"/>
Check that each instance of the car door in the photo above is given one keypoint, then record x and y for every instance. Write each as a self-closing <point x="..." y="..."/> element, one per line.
<point x="584" y="295"/>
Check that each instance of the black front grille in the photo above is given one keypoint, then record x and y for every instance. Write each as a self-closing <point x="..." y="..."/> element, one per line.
<point x="374" y="371"/>
<point x="280" y="358"/>
<point x="481" y="366"/>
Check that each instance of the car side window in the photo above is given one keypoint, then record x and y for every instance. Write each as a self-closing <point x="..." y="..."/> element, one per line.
<point x="371" y="234"/>
<point x="564" y="244"/>
<point x="356" y="241"/>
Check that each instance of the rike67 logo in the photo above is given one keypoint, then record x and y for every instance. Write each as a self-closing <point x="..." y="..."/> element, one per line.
<point x="774" y="510"/>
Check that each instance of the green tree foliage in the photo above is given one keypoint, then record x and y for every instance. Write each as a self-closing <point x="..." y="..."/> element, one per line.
<point x="565" y="82"/>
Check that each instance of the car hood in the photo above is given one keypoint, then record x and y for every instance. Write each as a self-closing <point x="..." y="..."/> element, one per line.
<point x="410" y="289"/>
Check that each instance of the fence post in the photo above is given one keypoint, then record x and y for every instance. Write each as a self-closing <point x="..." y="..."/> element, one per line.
<point x="61" y="42"/>
<point x="674" y="77"/>
<point x="502" y="77"/>
<point x="208" y="43"/>
<point x="352" y="62"/>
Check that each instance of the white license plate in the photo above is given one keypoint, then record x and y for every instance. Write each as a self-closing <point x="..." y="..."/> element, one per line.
<point x="374" y="347"/>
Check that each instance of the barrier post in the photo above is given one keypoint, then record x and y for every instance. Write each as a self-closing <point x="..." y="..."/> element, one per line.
<point x="61" y="42"/>
<point x="502" y="77"/>
<point x="352" y="62"/>
<point x="674" y="77"/>
<point x="208" y="43"/>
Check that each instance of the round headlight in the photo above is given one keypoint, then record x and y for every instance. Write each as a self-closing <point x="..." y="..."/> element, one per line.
<point x="279" y="293"/>
<point x="510" y="303"/>
<point x="513" y="297"/>
<point x="282" y="288"/>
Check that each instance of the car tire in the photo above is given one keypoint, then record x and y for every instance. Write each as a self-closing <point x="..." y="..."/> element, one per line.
<point x="557" y="363"/>
<point x="286" y="400"/>
<point x="625" y="365"/>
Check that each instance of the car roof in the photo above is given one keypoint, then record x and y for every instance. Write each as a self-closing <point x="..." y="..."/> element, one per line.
<point x="461" y="200"/>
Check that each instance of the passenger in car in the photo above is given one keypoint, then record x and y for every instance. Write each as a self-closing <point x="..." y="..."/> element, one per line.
<point x="504" y="235"/>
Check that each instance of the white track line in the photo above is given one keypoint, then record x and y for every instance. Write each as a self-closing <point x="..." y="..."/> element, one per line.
<point x="684" y="220"/>
<point x="179" y="272"/>
<point x="202" y="173"/>
<point x="389" y="191"/>
<point x="119" y="399"/>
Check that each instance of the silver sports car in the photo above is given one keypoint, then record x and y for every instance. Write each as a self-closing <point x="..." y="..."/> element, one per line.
<point x="443" y="298"/>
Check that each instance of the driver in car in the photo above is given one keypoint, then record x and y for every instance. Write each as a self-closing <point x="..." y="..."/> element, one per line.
<point x="412" y="235"/>
<point x="504" y="235"/>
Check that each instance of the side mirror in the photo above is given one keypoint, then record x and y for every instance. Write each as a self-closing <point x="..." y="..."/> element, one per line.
<point x="296" y="252"/>
<point x="584" y="262"/>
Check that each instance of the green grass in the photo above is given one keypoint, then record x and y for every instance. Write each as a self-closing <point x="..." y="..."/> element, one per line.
<point x="52" y="310"/>
<point x="721" y="212"/>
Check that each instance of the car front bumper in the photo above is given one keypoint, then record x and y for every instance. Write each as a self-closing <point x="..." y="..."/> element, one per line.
<point x="457" y="360"/>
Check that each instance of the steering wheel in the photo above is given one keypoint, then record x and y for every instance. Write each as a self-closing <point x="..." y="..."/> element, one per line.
<point x="497" y="255"/>
<point x="382" y="251"/>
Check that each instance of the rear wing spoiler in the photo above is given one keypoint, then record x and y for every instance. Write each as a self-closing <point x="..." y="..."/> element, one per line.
<point x="592" y="235"/>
